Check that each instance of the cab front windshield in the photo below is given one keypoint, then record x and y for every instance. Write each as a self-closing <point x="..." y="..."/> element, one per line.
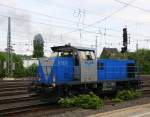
<point x="84" y="54"/>
<point x="62" y="54"/>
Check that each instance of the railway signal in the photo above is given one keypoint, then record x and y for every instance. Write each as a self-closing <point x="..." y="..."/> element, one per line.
<point x="125" y="41"/>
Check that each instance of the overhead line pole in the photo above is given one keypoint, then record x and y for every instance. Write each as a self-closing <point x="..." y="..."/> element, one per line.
<point x="9" y="50"/>
<point x="96" y="46"/>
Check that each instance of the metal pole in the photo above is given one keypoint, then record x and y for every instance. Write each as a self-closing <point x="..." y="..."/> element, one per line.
<point x="137" y="46"/>
<point x="9" y="50"/>
<point x="96" y="46"/>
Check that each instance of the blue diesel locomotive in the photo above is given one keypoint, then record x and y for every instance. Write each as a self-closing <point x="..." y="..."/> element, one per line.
<point x="74" y="70"/>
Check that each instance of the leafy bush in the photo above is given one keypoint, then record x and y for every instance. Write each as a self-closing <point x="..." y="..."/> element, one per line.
<point x="117" y="100"/>
<point x="67" y="102"/>
<point x="126" y="95"/>
<point x="88" y="101"/>
<point x="32" y="70"/>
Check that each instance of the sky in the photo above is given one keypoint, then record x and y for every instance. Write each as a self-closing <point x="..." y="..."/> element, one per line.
<point x="78" y="22"/>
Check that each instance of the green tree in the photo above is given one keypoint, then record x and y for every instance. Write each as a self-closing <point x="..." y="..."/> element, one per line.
<point x="2" y="60"/>
<point x="142" y="57"/>
<point x="38" y="45"/>
<point x="19" y="70"/>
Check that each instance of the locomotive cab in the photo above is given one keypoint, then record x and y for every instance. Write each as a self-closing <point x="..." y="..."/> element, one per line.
<point x="85" y="65"/>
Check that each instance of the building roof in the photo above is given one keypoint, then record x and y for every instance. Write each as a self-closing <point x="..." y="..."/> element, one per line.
<point x="113" y="50"/>
<point x="109" y="53"/>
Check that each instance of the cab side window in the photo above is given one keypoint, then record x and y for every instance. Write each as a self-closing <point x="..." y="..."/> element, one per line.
<point x="87" y="55"/>
<point x="100" y="66"/>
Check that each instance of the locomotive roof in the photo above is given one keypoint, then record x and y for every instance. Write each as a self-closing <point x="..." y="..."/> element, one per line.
<point x="68" y="48"/>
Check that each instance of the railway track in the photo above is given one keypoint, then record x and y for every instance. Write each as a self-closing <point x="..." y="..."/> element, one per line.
<point x="16" y="100"/>
<point x="145" y="85"/>
<point x="15" y="97"/>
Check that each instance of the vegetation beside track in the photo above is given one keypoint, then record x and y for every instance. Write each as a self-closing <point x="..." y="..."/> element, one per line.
<point x="88" y="101"/>
<point x="20" y="70"/>
<point x="92" y="101"/>
<point x="125" y="95"/>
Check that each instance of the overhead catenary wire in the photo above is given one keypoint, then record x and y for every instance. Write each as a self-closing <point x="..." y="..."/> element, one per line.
<point x="147" y="40"/>
<point x="102" y="43"/>
<point x="67" y="20"/>
<point x="48" y="24"/>
<point x="37" y="13"/>
<point x="106" y="17"/>
<point x="134" y="6"/>
<point x="113" y="13"/>
<point x="69" y="28"/>
<point x="57" y="25"/>
<point x="110" y="35"/>
<point x="72" y="8"/>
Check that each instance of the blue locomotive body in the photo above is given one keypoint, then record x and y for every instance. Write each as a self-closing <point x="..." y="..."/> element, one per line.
<point x="78" y="69"/>
<point x="60" y="68"/>
<point x="116" y="69"/>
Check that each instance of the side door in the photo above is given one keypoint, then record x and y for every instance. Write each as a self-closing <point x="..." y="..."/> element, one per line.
<point x="88" y="67"/>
